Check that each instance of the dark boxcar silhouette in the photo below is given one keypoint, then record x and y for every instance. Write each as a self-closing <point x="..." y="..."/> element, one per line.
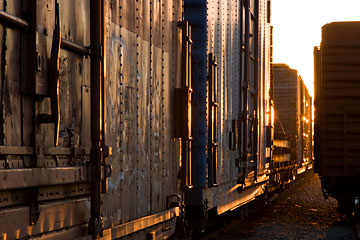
<point x="337" y="115"/>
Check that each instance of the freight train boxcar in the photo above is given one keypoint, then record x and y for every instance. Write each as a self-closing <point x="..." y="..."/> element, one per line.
<point x="106" y="122"/>
<point x="293" y="113"/>
<point x="230" y="72"/>
<point x="337" y="112"/>
<point x="78" y="78"/>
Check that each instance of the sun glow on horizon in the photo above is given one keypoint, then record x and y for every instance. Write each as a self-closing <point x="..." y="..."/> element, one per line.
<point x="297" y="29"/>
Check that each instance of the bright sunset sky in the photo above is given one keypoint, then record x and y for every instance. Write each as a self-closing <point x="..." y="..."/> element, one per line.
<point x="297" y="29"/>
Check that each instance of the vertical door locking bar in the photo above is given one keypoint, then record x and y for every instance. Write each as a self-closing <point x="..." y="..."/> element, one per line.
<point x="212" y="121"/>
<point x="99" y="151"/>
<point x="183" y="106"/>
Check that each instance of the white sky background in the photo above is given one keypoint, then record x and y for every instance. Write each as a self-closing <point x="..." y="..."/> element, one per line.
<point x="297" y="29"/>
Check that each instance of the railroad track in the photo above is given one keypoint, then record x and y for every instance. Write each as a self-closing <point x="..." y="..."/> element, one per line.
<point x="300" y="212"/>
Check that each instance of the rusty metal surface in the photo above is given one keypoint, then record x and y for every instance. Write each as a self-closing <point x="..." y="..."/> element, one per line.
<point x="30" y="161"/>
<point x="141" y="65"/>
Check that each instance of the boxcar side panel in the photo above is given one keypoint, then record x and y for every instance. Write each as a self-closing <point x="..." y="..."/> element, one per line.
<point x="47" y="181"/>
<point x="240" y="43"/>
<point x="337" y="102"/>
<point x="142" y="64"/>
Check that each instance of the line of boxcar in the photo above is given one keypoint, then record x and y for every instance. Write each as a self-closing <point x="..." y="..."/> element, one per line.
<point x="131" y="119"/>
<point x="337" y="96"/>
<point x="292" y="153"/>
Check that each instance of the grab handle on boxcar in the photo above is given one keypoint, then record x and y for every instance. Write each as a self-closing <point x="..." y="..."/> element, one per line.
<point x="53" y="75"/>
<point x="53" y="79"/>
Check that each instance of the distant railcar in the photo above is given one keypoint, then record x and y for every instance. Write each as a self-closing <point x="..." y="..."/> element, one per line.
<point x="293" y="121"/>
<point x="337" y="115"/>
